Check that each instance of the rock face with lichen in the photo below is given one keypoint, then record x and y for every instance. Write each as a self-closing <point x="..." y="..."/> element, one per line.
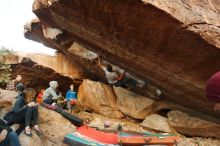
<point x="172" y="45"/>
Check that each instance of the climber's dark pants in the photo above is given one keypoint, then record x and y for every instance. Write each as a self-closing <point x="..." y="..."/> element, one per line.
<point x="126" y="82"/>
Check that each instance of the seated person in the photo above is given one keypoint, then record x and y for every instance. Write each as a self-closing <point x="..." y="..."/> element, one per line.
<point x="7" y="136"/>
<point x="40" y="96"/>
<point x="114" y="78"/>
<point x="71" y="98"/>
<point x="50" y="96"/>
<point x="213" y="90"/>
<point x="13" y="83"/>
<point x="24" y="112"/>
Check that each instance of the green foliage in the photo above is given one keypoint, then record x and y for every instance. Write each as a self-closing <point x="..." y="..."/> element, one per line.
<point x="5" y="69"/>
<point x="4" y="51"/>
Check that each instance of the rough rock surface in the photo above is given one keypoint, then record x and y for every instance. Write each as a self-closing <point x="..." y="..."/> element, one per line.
<point x="9" y="58"/>
<point x="132" y="104"/>
<point x="64" y="43"/>
<point x="99" y="120"/>
<point x="170" y="44"/>
<point x="192" y="126"/>
<point x="199" y="142"/>
<point x="38" y="77"/>
<point x="201" y="17"/>
<point x="99" y="98"/>
<point x="7" y="99"/>
<point x="58" y="63"/>
<point x="157" y="122"/>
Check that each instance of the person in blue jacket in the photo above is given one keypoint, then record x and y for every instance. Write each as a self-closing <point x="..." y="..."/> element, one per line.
<point x="71" y="98"/>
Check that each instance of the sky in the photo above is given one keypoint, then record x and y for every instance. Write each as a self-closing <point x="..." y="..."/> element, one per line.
<point x="14" y="14"/>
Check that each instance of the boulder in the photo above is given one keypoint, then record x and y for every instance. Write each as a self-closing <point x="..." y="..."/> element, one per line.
<point x="132" y="104"/>
<point x="173" y="45"/>
<point x="7" y="99"/>
<point x="32" y="141"/>
<point x="192" y="126"/>
<point x="99" y="98"/>
<point x="157" y="122"/>
<point x="98" y="121"/>
<point x="54" y="127"/>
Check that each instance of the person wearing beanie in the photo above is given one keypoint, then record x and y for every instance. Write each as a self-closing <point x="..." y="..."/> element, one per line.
<point x="20" y="87"/>
<point x="50" y="94"/>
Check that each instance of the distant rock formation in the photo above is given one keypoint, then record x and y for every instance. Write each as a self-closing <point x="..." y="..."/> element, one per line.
<point x="58" y="63"/>
<point x="38" y="77"/>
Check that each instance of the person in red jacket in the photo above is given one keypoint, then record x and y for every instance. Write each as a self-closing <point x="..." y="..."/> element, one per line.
<point x="213" y="90"/>
<point x="39" y="98"/>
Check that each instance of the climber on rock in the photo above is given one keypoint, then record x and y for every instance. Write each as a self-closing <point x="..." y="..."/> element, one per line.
<point x="117" y="79"/>
<point x="13" y="83"/>
<point x="213" y="90"/>
<point x="50" y="95"/>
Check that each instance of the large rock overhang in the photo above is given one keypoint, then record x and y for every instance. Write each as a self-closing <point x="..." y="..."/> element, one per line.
<point x="147" y="41"/>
